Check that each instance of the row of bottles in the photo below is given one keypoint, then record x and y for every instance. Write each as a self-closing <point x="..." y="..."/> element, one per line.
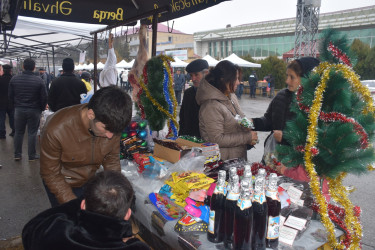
<point x="242" y="217"/>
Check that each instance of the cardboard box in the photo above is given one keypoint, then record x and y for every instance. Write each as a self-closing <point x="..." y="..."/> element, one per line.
<point x="172" y="155"/>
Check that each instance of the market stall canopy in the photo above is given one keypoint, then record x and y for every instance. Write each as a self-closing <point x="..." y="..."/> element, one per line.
<point x="130" y="64"/>
<point x="122" y="64"/>
<point x="241" y="62"/>
<point x="100" y="65"/>
<point x="178" y="63"/>
<point x="111" y="11"/>
<point x="210" y="60"/>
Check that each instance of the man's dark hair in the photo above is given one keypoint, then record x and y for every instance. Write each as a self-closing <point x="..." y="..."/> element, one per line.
<point x="109" y="193"/>
<point x="113" y="107"/>
<point x="29" y="64"/>
<point x="68" y="65"/>
<point x="7" y="69"/>
<point x="223" y="73"/>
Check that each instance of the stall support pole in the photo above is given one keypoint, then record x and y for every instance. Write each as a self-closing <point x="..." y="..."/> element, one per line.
<point x="154" y="34"/>
<point x="53" y="61"/>
<point x="49" y="71"/>
<point x="95" y="61"/>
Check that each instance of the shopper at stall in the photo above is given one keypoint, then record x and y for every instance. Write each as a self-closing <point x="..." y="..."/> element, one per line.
<point x="108" y="76"/>
<point x="218" y="107"/>
<point x="278" y="111"/>
<point x="189" y="113"/>
<point x="29" y="95"/>
<point x="179" y="84"/>
<point x="86" y="78"/>
<point x="66" y="90"/>
<point x="253" y="84"/>
<point x="271" y="82"/>
<point x="76" y="140"/>
<point x="99" y="221"/>
<point x="6" y="106"/>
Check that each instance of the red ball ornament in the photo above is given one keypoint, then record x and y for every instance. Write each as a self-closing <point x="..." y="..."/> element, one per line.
<point x="133" y="125"/>
<point x="132" y="133"/>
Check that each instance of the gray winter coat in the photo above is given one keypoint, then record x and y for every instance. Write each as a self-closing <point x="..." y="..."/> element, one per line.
<point x="217" y="123"/>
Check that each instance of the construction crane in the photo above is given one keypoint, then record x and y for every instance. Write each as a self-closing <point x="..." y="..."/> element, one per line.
<point x="307" y="21"/>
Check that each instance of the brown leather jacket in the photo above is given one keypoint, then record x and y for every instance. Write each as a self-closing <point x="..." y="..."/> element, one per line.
<point x="70" y="155"/>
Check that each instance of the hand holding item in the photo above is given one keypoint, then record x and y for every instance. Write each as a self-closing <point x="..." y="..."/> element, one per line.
<point x="281" y="168"/>
<point x="254" y="137"/>
<point x="278" y="134"/>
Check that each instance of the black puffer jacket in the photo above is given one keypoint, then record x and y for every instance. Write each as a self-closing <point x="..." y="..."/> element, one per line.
<point x="68" y="227"/>
<point x="4" y="86"/>
<point x="28" y="91"/>
<point x="277" y="114"/>
<point x="65" y="91"/>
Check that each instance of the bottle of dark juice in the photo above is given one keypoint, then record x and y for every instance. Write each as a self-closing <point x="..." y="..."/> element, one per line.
<point x="243" y="219"/>
<point x="260" y="212"/>
<point x="230" y="205"/>
<point x="215" y="232"/>
<point x="274" y="209"/>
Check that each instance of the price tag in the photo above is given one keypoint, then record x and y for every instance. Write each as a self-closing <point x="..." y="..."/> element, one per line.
<point x="287" y="235"/>
<point x="295" y="222"/>
<point x="299" y="202"/>
<point x="294" y="193"/>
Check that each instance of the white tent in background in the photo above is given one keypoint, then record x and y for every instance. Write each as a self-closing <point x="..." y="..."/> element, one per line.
<point x="122" y="64"/>
<point x="178" y="63"/>
<point x="90" y="66"/>
<point x="78" y="67"/>
<point x="211" y="61"/>
<point x="130" y="64"/>
<point x="100" y="65"/>
<point x="241" y="62"/>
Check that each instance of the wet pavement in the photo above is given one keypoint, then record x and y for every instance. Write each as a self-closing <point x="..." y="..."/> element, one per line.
<point x="22" y="195"/>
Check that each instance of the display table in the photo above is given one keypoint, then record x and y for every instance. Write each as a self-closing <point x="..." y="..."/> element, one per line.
<point x="147" y="215"/>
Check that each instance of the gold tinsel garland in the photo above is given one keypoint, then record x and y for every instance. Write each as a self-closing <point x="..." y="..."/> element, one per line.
<point x="337" y="190"/>
<point x="173" y="116"/>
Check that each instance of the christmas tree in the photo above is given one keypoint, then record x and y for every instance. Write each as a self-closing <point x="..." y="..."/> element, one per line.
<point x="333" y="130"/>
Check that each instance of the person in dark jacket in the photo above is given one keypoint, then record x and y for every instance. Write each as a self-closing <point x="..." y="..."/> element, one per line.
<point x="29" y="95"/>
<point x="253" y="84"/>
<point x="278" y="111"/>
<point x="6" y="106"/>
<point x="66" y="90"/>
<point x="179" y="84"/>
<point x="189" y="113"/>
<point x="99" y="221"/>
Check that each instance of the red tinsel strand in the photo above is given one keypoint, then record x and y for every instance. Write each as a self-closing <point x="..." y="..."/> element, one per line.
<point x="336" y="52"/>
<point x="335" y="116"/>
<point x="337" y="215"/>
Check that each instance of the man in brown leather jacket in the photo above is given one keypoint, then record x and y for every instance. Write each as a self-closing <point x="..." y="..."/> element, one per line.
<point x="78" y="139"/>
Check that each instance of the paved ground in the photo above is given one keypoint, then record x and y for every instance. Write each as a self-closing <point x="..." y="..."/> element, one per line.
<point x="22" y="195"/>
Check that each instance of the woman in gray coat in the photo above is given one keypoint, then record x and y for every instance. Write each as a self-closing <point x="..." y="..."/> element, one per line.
<point x="218" y="107"/>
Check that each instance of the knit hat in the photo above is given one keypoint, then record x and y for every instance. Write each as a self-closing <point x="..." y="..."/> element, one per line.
<point x="68" y="64"/>
<point x="197" y="66"/>
<point x="307" y="64"/>
<point x="7" y="66"/>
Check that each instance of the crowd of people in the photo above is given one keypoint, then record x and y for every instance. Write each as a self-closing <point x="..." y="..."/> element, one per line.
<point x="79" y="138"/>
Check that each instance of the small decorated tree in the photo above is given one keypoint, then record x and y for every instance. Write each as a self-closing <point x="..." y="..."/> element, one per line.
<point x="332" y="132"/>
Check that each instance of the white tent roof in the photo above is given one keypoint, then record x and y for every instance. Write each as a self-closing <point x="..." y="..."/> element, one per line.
<point x="211" y="61"/>
<point x="122" y="64"/>
<point x="130" y="64"/>
<point x="178" y="63"/>
<point x="241" y="62"/>
<point x="100" y="65"/>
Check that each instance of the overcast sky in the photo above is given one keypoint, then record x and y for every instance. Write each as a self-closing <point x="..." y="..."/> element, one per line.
<point x="237" y="12"/>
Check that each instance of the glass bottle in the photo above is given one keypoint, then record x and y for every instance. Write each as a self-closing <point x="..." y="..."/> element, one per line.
<point x="230" y="206"/>
<point x="260" y="212"/>
<point x="274" y="209"/>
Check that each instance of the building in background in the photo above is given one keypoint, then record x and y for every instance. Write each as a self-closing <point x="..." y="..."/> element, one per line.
<point x="274" y="38"/>
<point x="170" y="42"/>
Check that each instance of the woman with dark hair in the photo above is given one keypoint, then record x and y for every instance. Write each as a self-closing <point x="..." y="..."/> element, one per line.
<point x="278" y="111"/>
<point x="218" y="108"/>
